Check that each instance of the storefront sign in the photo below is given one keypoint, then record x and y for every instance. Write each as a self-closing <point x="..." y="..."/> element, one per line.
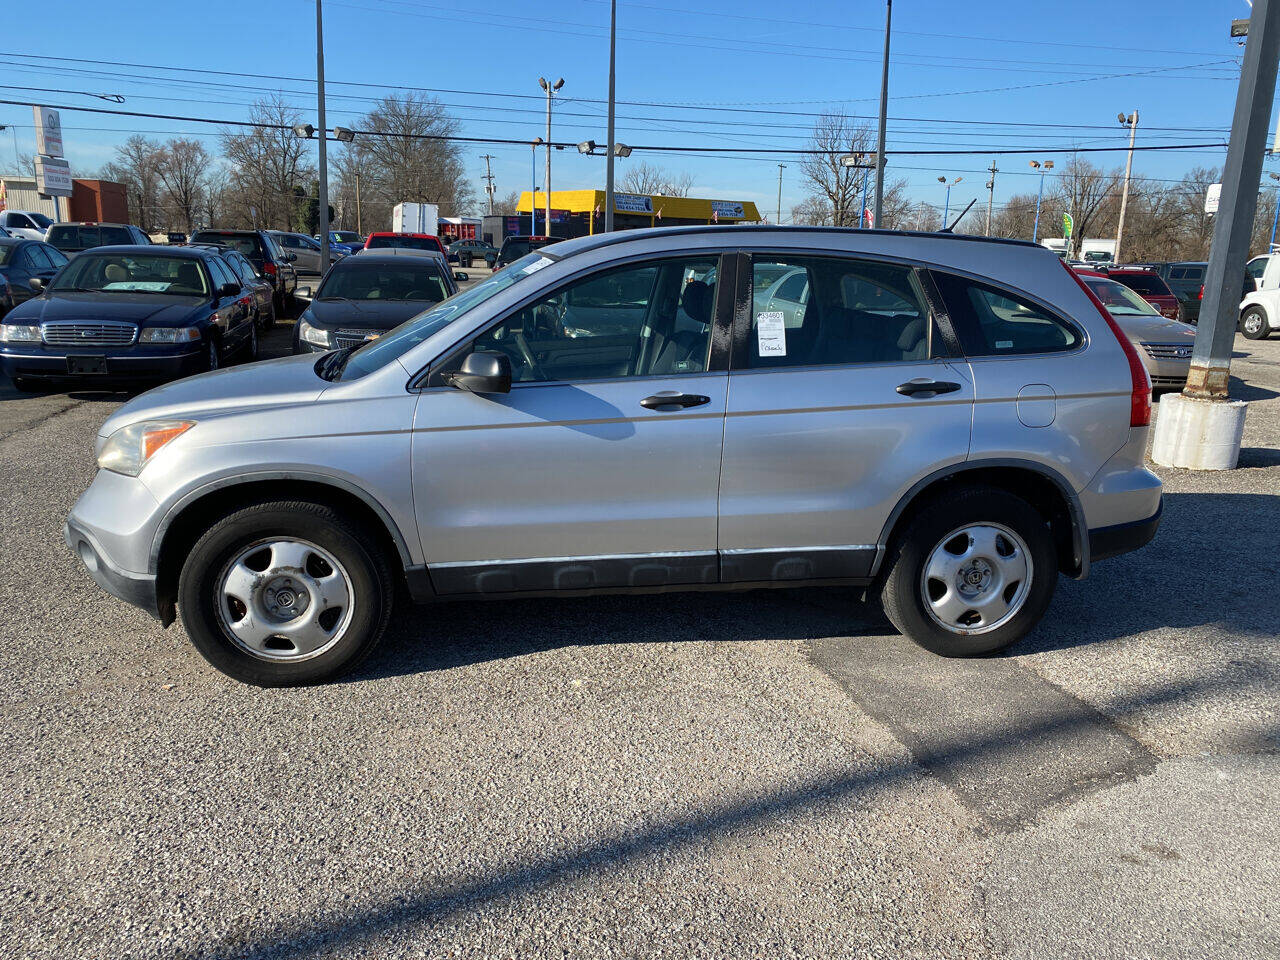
<point x="632" y="203"/>
<point x="48" y="131"/>
<point x="53" y="177"/>
<point x="727" y="208"/>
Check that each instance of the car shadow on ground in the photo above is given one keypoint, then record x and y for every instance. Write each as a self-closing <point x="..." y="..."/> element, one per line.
<point x="1184" y="579"/>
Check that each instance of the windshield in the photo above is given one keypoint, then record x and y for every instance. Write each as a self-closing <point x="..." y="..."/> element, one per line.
<point x="1119" y="300"/>
<point x="133" y="273"/>
<point x="43" y="222"/>
<point x="358" y="279"/>
<point x="6" y="253"/>
<point x="344" y="236"/>
<point x="376" y="354"/>
<point x="66" y="237"/>
<point x="409" y="243"/>
<point x="1147" y="283"/>
<point x="243" y="243"/>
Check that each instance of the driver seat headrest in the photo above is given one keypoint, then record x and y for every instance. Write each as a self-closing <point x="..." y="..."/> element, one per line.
<point x="696" y="300"/>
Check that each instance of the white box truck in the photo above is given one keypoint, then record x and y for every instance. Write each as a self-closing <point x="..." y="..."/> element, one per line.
<point x="415" y="218"/>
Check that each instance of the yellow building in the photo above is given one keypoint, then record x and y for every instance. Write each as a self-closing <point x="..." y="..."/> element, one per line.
<point x="576" y="213"/>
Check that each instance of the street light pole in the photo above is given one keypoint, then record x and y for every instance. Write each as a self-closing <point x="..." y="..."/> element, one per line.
<point x="1275" y="218"/>
<point x="323" y="199"/>
<point x="550" y="88"/>
<point x="608" y="163"/>
<point x="533" y="193"/>
<point x="1131" y="121"/>
<point x="781" y="167"/>
<point x="1044" y="168"/>
<point x="946" y="209"/>
<point x="884" y="109"/>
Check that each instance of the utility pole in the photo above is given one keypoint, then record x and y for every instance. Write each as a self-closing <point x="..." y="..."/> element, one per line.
<point x="488" y="175"/>
<point x="359" y="229"/>
<point x="781" y="167"/>
<point x="1131" y="121"/>
<point x="884" y="109"/>
<point x="550" y="89"/>
<point x="991" y="192"/>
<point x="1201" y="427"/>
<point x="608" y="163"/>
<point x="323" y="200"/>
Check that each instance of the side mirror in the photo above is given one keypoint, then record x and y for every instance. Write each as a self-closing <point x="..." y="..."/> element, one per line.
<point x="229" y="290"/>
<point x="460" y="276"/>
<point x="483" y="372"/>
<point x="291" y="257"/>
<point x="303" y="293"/>
<point x="36" y="284"/>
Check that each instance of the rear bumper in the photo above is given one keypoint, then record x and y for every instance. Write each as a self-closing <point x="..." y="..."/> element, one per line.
<point x="1112" y="541"/>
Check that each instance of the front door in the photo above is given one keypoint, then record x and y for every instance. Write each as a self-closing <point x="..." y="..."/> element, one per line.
<point x="842" y="396"/>
<point x="600" y="468"/>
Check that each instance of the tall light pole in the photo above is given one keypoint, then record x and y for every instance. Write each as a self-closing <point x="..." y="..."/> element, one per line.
<point x="608" y="163"/>
<point x="1044" y="168"/>
<point x="865" y="163"/>
<point x="1131" y="121"/>
<point x="323" y="222"/>
<point x="533" y="194"/>
<point x="991" y="192"/>
<point x="781" y="167"/>
<point x="1275" y="217"/>
<point x="550" y="89"/>
<point x="884" y="109"/>
<point x="17" y="164"/>
<point x="946" y="209"/>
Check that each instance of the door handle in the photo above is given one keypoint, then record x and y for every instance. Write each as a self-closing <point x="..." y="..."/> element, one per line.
<point x="673" y="398"/>
<point x="925" y="386"/>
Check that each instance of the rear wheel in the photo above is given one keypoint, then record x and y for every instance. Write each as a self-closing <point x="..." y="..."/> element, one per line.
<point x="972" y="573"/>
<point x="284" y="593"/>
<point x="1253" y="324"/>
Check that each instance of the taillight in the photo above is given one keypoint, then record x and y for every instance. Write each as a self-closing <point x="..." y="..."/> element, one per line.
<point x="1140" y="384"/>
<point x="1200" y="295"/>
<point x="269" y="268"/>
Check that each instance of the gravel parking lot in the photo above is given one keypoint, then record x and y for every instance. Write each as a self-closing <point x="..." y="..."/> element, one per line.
<point x="767" y="774"/>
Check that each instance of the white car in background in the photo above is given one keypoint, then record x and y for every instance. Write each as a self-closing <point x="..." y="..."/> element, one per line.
<point x="25" y="223"/>
<point x="1260" y="310"/>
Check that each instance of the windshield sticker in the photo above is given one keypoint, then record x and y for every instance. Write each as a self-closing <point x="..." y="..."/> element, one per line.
<point x="150" y="286"/>
<point x="771" y="334"/>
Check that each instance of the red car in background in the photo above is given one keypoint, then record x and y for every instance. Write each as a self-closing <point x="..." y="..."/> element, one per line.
<point x="1150" y="286"/>
<point x="410" y="241"/>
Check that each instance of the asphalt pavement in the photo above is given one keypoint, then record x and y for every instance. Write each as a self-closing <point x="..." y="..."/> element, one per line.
<point x="715" y="775"/>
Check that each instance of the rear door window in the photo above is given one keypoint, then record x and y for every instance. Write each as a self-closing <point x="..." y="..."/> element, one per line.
<point x="992" y="322"/>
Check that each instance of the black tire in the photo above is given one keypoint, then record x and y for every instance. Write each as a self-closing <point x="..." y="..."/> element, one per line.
<point x="350" y="544"/>
<point x="903" y="589"/>
<point x="1253" y="324"/>
<point x="212" y="355"/>
<point x="251" y="345"/>
<point x="464" y="262"/>
<point x="270" y="320"/>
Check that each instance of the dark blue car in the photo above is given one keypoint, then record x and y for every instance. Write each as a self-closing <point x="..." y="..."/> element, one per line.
<point x="129" y="314"/>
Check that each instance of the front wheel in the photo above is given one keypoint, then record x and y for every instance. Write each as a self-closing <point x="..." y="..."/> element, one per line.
<point x="269" y="320"/>
<point x="1253" y="324"/>
<point x="212" y="355"/>
<point x="285" y="593"/>
<point x="972" y="573"/>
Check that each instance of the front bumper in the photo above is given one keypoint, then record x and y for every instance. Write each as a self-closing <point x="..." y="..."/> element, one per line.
<point x="138" y="589"/>
<point x="1123" y="537"/>
<point x="136" y="363"/>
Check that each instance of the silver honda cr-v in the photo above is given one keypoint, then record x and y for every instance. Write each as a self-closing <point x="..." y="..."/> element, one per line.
<point x="948" y="421"/>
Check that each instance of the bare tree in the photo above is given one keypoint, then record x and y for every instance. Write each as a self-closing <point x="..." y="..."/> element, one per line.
<point x="135" y="167"/>
<point x="1016" y="217"/>
<point x="508" y="205"/>
<point x="181" y="166"/>
<point x="267" y="164"/>
<point x="833" y="186"/>
<point x="811" y="211"/>
<point x="1090" y="194"/>
<point x="647" y="178"/>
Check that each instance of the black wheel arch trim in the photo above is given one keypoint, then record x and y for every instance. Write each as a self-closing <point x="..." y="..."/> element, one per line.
<point x="1079" y="527"/>
<point x="240" y="479"/>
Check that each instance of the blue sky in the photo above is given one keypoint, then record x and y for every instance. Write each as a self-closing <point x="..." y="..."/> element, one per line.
<point x="723" y="73"/>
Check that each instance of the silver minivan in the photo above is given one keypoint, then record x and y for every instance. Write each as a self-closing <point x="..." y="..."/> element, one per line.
<point x="948" y="422"/>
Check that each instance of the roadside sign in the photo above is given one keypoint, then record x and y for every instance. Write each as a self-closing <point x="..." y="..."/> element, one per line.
<point x="632" y="203"/>
<point x="1067" y="224"/>
<point x="727" y="208"/>
<point x="53" y="177"/>
<point x="1211" y="198"/>
<point x="48" y="131"/>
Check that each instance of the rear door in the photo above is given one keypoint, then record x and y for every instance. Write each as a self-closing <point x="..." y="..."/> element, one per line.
<point x="600" y="467"/>
<point x="843" y="393"/>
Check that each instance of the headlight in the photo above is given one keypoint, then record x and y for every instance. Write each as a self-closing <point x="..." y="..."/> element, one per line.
<point x="129" y="448"/>
<point x="18" y="333"/>
<point x="169" y="335"/>
<point x="315" y="335"/>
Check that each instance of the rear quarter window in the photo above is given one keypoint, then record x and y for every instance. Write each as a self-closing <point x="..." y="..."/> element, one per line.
<point x="994" y="322"/>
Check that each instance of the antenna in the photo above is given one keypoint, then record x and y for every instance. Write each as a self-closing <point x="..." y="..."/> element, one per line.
<point x="952" y="228"/>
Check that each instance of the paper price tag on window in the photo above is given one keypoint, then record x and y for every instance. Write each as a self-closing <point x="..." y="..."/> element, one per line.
<point x="771" y="334"/>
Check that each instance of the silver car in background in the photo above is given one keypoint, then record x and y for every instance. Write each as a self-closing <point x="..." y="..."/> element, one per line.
<point x="949" y="422"/>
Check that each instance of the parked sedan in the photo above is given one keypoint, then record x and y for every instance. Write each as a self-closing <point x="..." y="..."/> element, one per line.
<point x="306" y="250"/>
<point x="125" y="315"/>
<point x="1150" y="286"/>
<point x="1163" y="344"/>
<point x="22" y="261"/>
<point x="263" y="302"/>
<point x="465" y="252"/>
<point x="348" y="241"/>
<point x="363" y="297"/>
<point x="269" y="261"/>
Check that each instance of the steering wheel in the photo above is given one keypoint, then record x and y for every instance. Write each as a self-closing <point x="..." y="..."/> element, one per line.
<point x="527" y="355"/>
